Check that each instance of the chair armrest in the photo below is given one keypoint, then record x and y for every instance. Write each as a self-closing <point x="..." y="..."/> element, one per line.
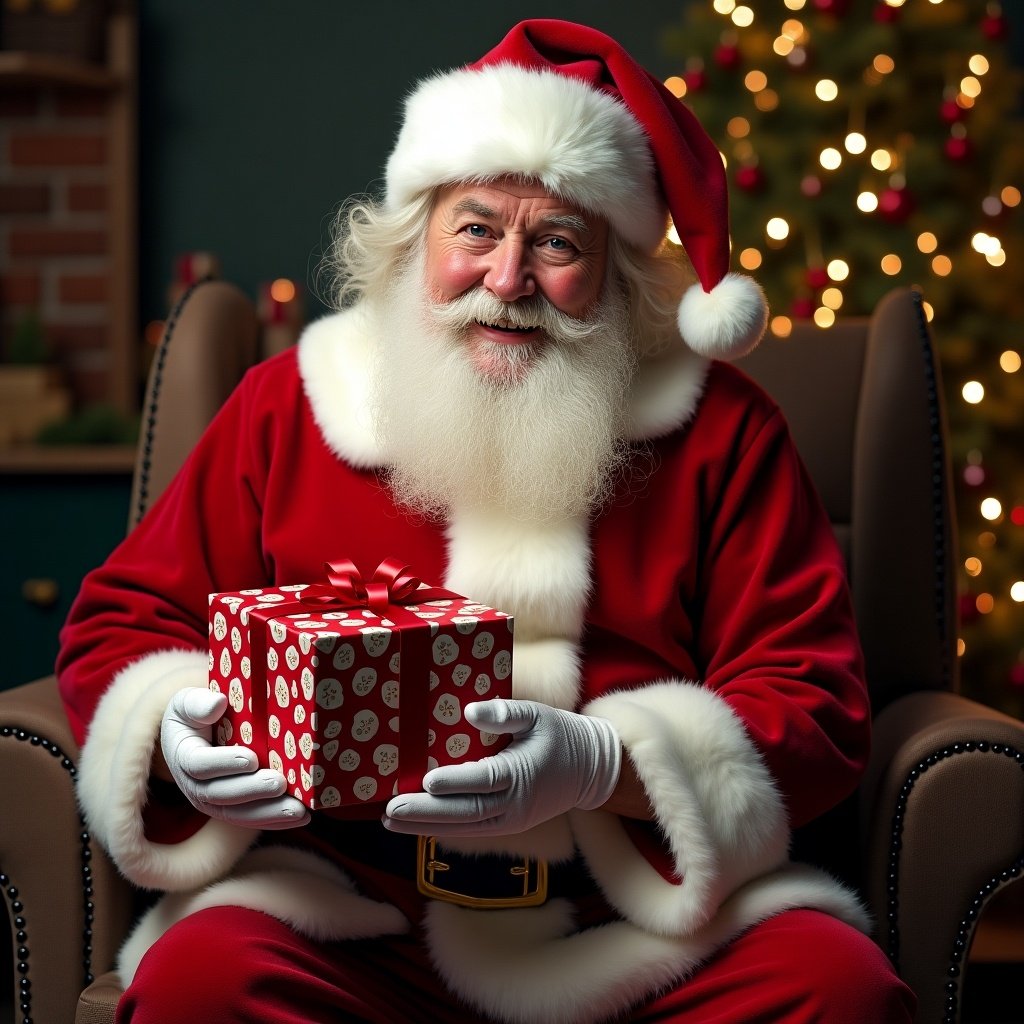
<point x="69" y="908"/>
<point x="943" y="808"/>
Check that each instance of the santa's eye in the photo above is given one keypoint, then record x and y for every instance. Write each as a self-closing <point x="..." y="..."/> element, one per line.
<point x="476" y="230"/>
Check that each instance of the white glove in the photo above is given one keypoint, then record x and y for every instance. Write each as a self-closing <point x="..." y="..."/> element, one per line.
<point x="556" y="761"/>
<point x="222" y="782"/>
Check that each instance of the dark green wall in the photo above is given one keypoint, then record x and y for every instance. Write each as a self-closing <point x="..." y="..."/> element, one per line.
<point x="258" y="117"/>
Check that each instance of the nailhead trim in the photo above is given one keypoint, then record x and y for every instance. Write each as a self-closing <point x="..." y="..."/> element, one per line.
<point x="941" y="586"/>
<point x="150" y="419"/>
<point x="969" y="920"/>
<point x="12" y="894"/>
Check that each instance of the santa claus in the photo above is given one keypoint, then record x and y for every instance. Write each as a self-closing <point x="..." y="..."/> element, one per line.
<point x="523" y="395"/>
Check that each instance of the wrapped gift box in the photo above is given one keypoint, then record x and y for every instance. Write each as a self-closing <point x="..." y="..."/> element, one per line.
<point x="353" y="704"/>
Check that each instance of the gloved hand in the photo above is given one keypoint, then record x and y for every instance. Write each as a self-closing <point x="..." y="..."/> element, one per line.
<point x="556" y="761"/>
<point x="222" y="782"/>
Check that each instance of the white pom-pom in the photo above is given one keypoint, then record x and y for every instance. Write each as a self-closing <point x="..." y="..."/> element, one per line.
<point x="726" y="322"/>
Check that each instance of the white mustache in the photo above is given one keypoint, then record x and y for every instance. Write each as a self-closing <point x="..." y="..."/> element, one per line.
<point x="479" y="305"/>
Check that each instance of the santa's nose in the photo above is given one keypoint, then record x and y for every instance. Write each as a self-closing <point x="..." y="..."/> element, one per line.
<point x="508" y="277"/>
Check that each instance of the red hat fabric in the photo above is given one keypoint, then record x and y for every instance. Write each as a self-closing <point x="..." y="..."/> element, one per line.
<point x="566" y="105"/>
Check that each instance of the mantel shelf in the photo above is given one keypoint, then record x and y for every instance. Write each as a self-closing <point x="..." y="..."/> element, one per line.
<point x="20" y="69"/>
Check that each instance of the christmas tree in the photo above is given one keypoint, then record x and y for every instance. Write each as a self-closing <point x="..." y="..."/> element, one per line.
<point x="877" y="143"/>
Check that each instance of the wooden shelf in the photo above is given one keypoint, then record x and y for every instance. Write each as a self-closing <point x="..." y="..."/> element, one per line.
<point x="40" y="460"/>
<point x="18" y="68"/>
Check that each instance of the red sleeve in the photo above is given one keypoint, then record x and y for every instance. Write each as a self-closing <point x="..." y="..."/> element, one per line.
<point x="202" y="535"/>
<point x="776" y="634"/>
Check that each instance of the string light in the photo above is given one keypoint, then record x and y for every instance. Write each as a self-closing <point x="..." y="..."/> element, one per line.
<point x="973" y="566"/>
<point x="750" y="259"/>
<point x="891" y="264"/>
<point x="978" y="64"/>
<point x="793" y="29"/>
<point x="282" y="290"/>
<point x="991" y="509"/>
<point x="985" y="603"/>
<point x="832" y="297"/>
<point x="867" y="202"/>
<point x="838" y="270"/>
<point x="781" y="326"/>
<point x="961" y="647"/>
<point x="725" y="7"/>
<point x="942" y="266"/>
<point x="881" y="159"/>
<point x="743" y="17"/>
<point x="1010" y="196"/>
<point x="826" y="90"/>
<point x="777" y="229"/>
<point x="676" y="86"/>
<point x="738" y="127"/>
<point x="884" y="64"/>
<point x="755" y="81"/>
<point x="856" y="143"/>
<point x="970" y="86"/>
<point x="1010" y="361"/>
<point x="927" y="242"/>
<point x="824" y="317"/>
<point x="783" y="46"/>
<point x="766" y="100"/>
<point x="831" y="159"/>
<point x="929" y="311"/>
<point x="794" y="5"/>
<point x="1017" y="591"/>
<point x="973" y="391"/>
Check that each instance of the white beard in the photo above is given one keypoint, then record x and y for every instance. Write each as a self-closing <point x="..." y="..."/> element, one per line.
<point x="540" y="440"/>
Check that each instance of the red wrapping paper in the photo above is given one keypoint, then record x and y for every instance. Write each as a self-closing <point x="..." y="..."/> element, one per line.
<point x="354" y="691"/>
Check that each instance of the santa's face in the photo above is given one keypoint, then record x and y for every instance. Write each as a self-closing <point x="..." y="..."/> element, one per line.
<point x="521" y="245"/>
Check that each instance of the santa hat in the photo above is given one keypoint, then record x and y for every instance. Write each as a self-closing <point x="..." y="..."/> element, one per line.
<point x="566" y="106"/>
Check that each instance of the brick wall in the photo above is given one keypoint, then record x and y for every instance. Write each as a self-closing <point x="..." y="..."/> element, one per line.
<point x="55" y="244"/>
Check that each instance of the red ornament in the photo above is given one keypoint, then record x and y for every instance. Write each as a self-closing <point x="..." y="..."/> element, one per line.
<point x="803" y="308"/>
<point x="895" y="205"/>
<point x="695" y="80"/>
<point x="727" y="56"/>
<point x="817" y="277"/>
<point x="810" y="186"/>
<point x="995" y="26"/>
<point x="750" y="178"/>
<point x="837" y="8"/>
<point x="1015" y="676"/>
<point x="951" y="112"/>
<point x="969" y="608"/>
<point x="885" y="14"/>
<point x="958" y="148"/>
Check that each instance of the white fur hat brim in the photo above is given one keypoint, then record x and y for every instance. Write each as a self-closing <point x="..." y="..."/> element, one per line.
<point x="581" y="144"/>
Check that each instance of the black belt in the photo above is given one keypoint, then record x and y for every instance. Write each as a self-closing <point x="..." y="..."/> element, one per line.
<point x="482" y="881"/>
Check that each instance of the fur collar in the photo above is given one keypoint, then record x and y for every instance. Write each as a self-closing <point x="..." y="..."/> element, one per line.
<point x="336" y="360"/>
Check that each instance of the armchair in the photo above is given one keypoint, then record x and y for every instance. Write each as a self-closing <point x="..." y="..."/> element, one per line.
<point x="939" y="825"/>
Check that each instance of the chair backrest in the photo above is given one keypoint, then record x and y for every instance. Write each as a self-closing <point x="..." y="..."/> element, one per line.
<point x="864" y="404"/>
<point x="211" y="339"/>
<point x="863" y="401"/>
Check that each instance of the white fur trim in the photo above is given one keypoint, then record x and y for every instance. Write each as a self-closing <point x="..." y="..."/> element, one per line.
<point x="114" y="771"/>
<point x="538" y="572"/>
<point x="579" y="143"/>
<point x="547" y="671"/>
<point x="309" y="894"/>
<point x="726" y="322"/>
<point x="665" y="393"/>
<point x="335" y="363"/>
<point x="595" y="975"/>
<point x="713" y="798"/>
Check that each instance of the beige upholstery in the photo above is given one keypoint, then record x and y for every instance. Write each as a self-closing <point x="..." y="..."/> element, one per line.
<point x="940" y="814"/>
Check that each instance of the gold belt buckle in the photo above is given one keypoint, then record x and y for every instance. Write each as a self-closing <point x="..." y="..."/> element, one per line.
<point x="534" y="874"/>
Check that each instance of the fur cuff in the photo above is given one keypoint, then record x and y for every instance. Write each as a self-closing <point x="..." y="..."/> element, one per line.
<point x="713" y="798"/>
<point x="113" y="778"/>
<point x="307" y="893"/>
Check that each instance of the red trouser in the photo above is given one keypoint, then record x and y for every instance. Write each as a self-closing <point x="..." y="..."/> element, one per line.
<point x="228" y="965"/>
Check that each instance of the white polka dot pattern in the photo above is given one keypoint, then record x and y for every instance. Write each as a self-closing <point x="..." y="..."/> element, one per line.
<point x="332" y="719"/>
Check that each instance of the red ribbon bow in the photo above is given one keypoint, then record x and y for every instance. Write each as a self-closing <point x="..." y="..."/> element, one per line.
<point x="391" y="586"/>
<point x="392" y="583"/>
